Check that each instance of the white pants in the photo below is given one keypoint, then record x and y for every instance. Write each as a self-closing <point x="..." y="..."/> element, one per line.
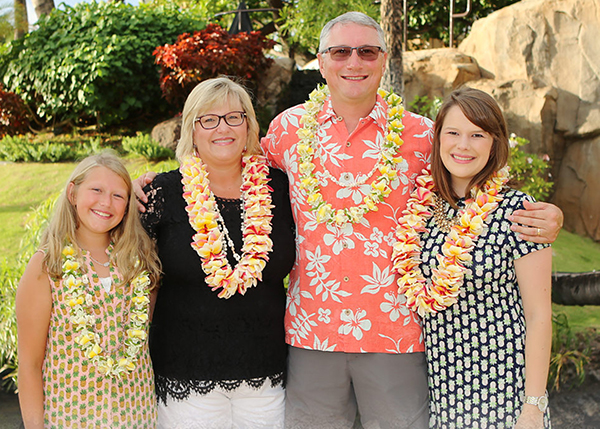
<point x="242" y="408"/>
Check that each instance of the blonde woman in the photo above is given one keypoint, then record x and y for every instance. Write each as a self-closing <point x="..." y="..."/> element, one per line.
<point x="225" y="236"/>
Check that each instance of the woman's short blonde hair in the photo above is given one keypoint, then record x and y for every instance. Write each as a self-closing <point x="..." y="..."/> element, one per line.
<point x="204" y="97"/>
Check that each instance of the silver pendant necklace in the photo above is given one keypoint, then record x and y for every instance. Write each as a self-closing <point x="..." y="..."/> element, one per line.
<point x="104" y="264"/>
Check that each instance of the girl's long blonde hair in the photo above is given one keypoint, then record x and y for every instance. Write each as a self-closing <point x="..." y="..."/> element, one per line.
<point x="130" y="241"/>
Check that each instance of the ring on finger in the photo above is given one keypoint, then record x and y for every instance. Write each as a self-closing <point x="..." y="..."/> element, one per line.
<point x="539" y="231"/>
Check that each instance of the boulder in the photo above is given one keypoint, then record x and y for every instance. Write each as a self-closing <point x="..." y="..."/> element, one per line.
<point x="167" y="133"/>
<point x="277" y="77"/>
<point x="436" y="72"/>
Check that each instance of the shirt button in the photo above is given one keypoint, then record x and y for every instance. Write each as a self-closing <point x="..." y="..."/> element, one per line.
<point x="345" y="245"/>
<point x="347" y="312"/>
<point x="348" y="144"/>
<point x="346" y="279"/>
<point x="346" y="176"/>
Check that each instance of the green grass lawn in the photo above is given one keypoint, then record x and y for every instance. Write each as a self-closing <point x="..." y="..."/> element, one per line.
<point x="24" y="186"/>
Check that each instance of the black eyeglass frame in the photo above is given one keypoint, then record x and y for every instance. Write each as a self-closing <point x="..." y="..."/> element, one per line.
<point x="224" y="117"/>
<point x="358" y="50"/>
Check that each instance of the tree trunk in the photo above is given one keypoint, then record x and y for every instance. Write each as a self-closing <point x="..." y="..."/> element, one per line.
<point x="21" y="23"/>
<point x="576" y="288"/>
<point x="391" y="22"/>
<point x="42" y="7"/>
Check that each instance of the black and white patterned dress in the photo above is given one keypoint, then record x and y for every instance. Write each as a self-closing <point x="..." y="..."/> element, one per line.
<point x="476" y="348"/>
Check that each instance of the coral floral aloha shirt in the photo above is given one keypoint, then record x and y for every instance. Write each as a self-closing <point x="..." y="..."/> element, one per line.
<point x="343" y="295"/>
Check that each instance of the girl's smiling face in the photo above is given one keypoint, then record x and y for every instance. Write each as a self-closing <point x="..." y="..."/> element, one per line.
<point x="464" y="149"/>
<point x="100" y="201"/>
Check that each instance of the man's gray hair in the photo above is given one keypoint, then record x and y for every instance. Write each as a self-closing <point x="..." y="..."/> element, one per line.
<point x="357" y="18"/>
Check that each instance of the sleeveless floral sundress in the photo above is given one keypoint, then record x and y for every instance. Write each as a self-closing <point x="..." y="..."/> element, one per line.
<point x="76" y="395"/>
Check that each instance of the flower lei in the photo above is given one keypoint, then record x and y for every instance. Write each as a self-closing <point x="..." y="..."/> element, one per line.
<point x="443" y="289"/>
<point x="308" y="146"/>
<point x="79" y="299"/>
<point x="208" y="240"/>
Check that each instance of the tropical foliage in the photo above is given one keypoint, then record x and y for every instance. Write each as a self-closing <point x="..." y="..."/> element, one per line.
<point x="209" y="53"/>
<point x="93" y="63"/>
<point x="14" y="117"/>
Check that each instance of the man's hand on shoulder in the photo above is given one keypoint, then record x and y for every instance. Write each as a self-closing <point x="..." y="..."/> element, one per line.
<point x="538" y="223"/>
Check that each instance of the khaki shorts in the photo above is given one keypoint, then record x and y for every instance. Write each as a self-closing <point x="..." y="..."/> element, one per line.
<point x="326" y="389"/>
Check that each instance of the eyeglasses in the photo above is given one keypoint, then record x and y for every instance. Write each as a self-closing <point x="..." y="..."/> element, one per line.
<point x="342" y="53"/>
<point x="210" y="122"/>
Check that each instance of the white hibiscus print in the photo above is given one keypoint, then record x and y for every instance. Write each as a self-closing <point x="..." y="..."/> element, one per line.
<point x="317" y="260"/>
<point x="339" y="239"/>
<point x="352" y="188"/>
<point x="354" y="323"/>
<point x="394" y="305"/>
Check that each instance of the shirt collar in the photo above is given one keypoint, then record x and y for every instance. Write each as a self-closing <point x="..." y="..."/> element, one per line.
<point x="378" y="115"/>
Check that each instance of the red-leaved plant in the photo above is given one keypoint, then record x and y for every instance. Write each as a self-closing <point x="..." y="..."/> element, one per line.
<point x="13" y="114"/>
<point x="210" y="53"/>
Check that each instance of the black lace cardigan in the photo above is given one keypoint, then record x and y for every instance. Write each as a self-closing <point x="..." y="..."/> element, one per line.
<point x="197" y="340"/>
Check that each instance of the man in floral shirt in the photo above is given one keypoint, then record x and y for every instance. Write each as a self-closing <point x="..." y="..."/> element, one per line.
<point x="354" y="344"/>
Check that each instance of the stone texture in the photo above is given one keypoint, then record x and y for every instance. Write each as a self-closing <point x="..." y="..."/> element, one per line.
<point x="273" y="82"/>
<point x="167" y="133"/>
<point x="436" y="72"/>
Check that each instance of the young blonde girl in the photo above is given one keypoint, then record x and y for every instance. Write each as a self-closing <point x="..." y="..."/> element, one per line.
<point x="83" y="308"/>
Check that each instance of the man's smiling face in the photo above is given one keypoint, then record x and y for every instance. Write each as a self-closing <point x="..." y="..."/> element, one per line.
<point x="352" y="80"/>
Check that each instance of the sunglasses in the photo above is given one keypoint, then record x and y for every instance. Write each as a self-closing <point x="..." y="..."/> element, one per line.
<point x="233" y="119"/>
<point x="342" y="53"/>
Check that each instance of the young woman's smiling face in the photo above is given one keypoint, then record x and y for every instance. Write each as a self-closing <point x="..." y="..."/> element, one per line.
<point x="464" y="148"/>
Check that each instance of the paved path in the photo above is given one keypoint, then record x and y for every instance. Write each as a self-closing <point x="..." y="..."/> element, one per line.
<point x="10" y="415"/>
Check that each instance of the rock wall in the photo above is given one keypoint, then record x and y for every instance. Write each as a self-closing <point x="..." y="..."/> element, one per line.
<point x="541" y="60"/>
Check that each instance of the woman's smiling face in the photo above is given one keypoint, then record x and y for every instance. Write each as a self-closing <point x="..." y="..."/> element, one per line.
<point x="464" y="149"/>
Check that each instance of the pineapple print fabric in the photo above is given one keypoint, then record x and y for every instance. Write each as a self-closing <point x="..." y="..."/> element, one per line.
<point x="476" y="347"/>
<point x="76" y="395"/>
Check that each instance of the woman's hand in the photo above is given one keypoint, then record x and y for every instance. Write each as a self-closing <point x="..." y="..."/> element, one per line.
<point x="531" y="418"/>
<point x="539" y="222"/>
<point x="138" y="189"/>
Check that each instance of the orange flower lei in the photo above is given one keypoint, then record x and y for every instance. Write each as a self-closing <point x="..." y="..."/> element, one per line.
<point x="208" y="240"/>
<point x="442" y="291"/>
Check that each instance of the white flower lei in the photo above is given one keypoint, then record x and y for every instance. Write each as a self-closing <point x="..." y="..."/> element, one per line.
<point x="208" y="240"/>
<point x="80" y="299"/>
<point x="308" y="146"/>
<point x="443" y="289"/>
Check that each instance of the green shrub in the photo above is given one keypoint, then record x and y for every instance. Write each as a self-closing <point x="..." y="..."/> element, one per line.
<point x="9" y="278"/>
<point x="10" y="273"/>
<point x="425" y="106"/>
<point x="13" y="114"/>
<point x="22" y="149"/>
<point x="93" y="63"/>
<point x="144" y="145"/>
<point x="570" y="353"/>
<point x="529" y="171"/>
<point x="209" y="53"/>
